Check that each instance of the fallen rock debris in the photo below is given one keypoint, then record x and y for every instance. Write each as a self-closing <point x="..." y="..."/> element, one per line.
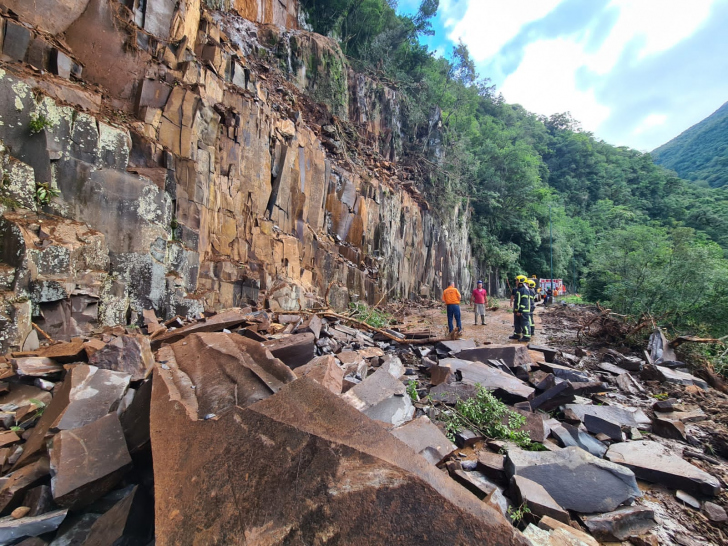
<point x="240" y="410"/>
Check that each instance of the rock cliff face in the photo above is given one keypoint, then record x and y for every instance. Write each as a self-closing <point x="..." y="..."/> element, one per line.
<point x="201" y="159"/>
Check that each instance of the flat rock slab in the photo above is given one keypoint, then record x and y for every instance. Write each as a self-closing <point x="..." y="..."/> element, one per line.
<point x="298" y="466"/>
<point x="611" y="368"/>
<point x="127" y="354"/>
<point x="553" y="397"/>
<point x="226" y="320"/>
<point x="454" y="346"/>
<point x="93" y="393"/>
<point x="568" y="435"/>
<point x="383" y="398"/>
<point x="669" y="428"/>
<point x="294" y="350"/>
<point x="537" y="499"/>
<point x="512" y="355"/>
<point x="425" y="438"/>
<point x="64" y="352"/>
<point x="566" y="373"/>
<point x="20" y="395"/>
<point x="680" y="378"/>
<point x="35" y="366"/>
<point x="599" y="425"/>
<point x="621" y="524"/>
<point x="324" y="370"/>
<point x="575" y="479"/>
<point x="613" y="414"/>
<point x="87" y="462"/>
<point x="12" y="529"/>
<point x="549" y="353"/>
<point x="503" y="385"/>
<point x="654" y="463"/>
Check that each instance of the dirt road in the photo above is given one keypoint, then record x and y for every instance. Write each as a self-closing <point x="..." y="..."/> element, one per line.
<point x="498" y="324"/>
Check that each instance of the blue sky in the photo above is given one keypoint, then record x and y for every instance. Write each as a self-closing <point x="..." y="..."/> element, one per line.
<point x="633" y="72"/>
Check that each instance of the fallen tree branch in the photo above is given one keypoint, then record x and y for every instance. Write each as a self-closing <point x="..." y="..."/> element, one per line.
<point x="49" y="338"/>
<point x="683" y="339"/>
<point x="364" y="325"/>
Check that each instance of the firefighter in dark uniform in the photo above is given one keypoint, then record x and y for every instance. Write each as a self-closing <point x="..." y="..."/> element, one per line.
<point x="522" y="310"/>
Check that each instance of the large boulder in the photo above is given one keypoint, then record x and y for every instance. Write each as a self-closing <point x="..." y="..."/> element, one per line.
<point x="575" y="479"/>
<point x="301" y="466"/>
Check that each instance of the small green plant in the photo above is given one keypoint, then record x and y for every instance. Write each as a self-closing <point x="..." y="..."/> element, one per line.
<point x="517" y="514"/>
<point x="44" y="194"/>
<point x="661" y="396"/>
<point x="38" y="123"/>
<point x="372" y="316"/>
<point x="412" y="390"/>
<point x="17" y="429"/>
<point x="486" y="414"/>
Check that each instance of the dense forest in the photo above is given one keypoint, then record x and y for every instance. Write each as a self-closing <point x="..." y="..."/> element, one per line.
<point x="633" y="235"/>
<point x="700" y="154"/>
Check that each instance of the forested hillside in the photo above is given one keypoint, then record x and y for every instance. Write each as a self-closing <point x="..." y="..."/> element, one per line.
<point x="699" y="154"/>
<point x="634" y="235"/>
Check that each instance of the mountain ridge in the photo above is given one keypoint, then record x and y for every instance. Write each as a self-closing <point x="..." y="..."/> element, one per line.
<point x="699" y="154"/>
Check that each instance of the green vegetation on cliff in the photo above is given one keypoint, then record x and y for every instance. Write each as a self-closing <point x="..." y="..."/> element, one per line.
<point x="634" y="235"/>
<point x="699" y="154"/>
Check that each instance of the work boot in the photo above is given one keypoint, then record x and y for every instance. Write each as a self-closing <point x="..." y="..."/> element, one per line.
<point x="482" y="318"/>
<point x="526" y="339"/>
<point x="514" y="336"/>
<point x="533" y="332"/>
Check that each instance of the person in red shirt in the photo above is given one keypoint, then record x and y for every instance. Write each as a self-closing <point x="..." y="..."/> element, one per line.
<point x="480" y="302"/>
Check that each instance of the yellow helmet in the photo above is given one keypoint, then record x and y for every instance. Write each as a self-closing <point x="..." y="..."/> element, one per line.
<point x="521" y="278"/>
<point x="531" y="283"/>
<point x="534" y="277"/>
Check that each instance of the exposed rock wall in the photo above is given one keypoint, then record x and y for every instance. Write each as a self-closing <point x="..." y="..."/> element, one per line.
<point x="207" y="179"/>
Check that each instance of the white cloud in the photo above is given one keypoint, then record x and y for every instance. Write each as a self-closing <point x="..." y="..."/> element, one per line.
<point x="487" y="25"/>
<point x="545" y="80"/>
<point x="546" y="87"/>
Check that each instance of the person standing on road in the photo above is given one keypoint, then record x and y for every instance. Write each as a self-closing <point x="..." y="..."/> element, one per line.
<point x="451" y="297"/>
<point x="521" y="311"/>
<point x="480" y="302"/>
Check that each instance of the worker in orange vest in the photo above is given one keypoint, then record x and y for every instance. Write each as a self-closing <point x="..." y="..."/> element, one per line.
<point x="451" y="297"/>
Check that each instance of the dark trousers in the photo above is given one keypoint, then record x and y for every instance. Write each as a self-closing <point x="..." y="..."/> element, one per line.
<point x="453" y="311"/>
<point x="523" y="324"/>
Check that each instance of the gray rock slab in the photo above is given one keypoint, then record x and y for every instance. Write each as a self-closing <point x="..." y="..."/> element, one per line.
<point x="611" y="368"/>
<point x="421" y="434"/>
<point x="507" y="387"/>
<point x="614" y="414"/>
<point x="715" y="512"/>
<point x="621" y="524"/>
<point x="568" y="435"/>
<point x="382" y="397"/>
<point x="553" y="397"/>
<point x="576" y="479"/>
<point x="600" y="425"/>
<point x="294" y="350"/>
<point x="536" y="498"/>
<point x="669" y="428"/>
<point x="566" y="373"/>
<point x="655" y="463"/>
<point x="680" y="378"/>
<point x="12" y="529"/>
<point x="512" y="355"/>
<point x="455" y="346"/>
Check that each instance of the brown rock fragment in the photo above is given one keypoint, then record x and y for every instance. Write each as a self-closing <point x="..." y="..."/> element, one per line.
<point x="16" y="483"/>
<point x="328" y="458"/>
<point x="87" y="462"/>
<point x="294" y="350"/>
<point x="324" y="370"/>
<point x="35" y="366"/>
<point x="128" y="354"/>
